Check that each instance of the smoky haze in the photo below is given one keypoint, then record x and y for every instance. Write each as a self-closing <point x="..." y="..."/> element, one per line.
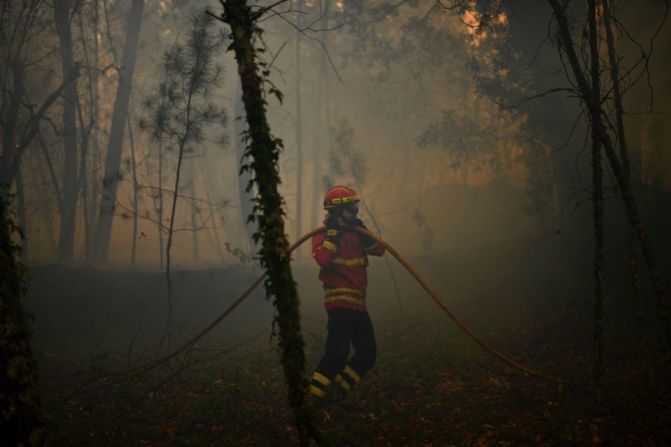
<point x="418" y="107"/>
<point x="372" y="110"/>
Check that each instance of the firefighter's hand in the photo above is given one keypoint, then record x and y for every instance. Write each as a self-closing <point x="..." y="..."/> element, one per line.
<point x="356" y="223"/>
<point x="337" y="222"/>
<point x="333" y="229"/>
<point x="366" y="240"/>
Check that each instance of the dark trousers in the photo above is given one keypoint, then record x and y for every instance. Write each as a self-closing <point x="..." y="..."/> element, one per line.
<point x="348" y="327"/>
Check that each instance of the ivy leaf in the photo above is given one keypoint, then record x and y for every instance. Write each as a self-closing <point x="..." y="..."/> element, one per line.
<point x="278" y="94"/>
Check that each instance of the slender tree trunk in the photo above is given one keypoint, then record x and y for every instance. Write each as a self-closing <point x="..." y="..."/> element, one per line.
<point x="89" y="148"/>
<point x="21" y="211"/>
<point x="52" y="173"/>
<point x="66" y="239"/>
<point x="323" y="104"/>
<point x="215" y="232"/>
<point x="85" y="136"/>
<point x="133" y="166"/>
<point x="9" y="150"/>
<point x="195" y="249"/>
<point x="180" y="158"/>
<point x="171" y="224"/>
<point x="624" y="154"/>
<point x="46" y="209"/>
<point x="160" y="205"/>
<point x="115" y="144"/>
<point x="299" y="129"/>
<point x="94" y="94"/>
<point x="20" y="409"/>
<point x="275" y="255"/>
<point x="597" y="202"/>
<point x="83" y="178"/>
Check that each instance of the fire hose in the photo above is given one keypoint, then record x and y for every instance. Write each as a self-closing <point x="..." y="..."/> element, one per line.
<point x="436" y="298"/>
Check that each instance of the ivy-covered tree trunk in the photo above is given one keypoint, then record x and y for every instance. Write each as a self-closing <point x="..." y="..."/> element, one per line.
<point x="20" y="411"/>
<point x="299" y="128"/>
<point x="263" y="152"/>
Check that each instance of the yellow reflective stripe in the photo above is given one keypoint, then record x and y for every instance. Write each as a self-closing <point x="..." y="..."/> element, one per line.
<point x="344" y="291"/>
<point x="329" y="245"/>
<point x="351" y="262"/>
<point x="317" y="391"/>
<point x="339" y="200"/>
<point x="321" y="378"/>
<point x="353" y="374"/>
<point x="343" y="383"/>
<point x="331" y="232"/>
<point x="347" y="298"/>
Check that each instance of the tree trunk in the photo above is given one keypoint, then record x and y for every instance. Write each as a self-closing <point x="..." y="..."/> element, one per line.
<point x="84" y="184"/>
<point x="215" y="232"/>
<point x="160" y="205"/>
<point x="20" y="410"/>
<point x="21" y="211"/>
<point x="597" y="210"/>
<point x="115" y="144"/>
<point x="12" y="149"/>
<point x="195" y="249"/>
<point x="133" y="245"/>
<point x="595" y="116"/>
<point x="90" y="183"/>
<point x="624" y="155"/>
<point x="94" y="193"/>
<point x="46" y="210"/>
<point x="66" y="240"/>
<point x="9" y="150"/>
<point x="299" y="129"/>
<point x="275" y="255"/>
<point x="323" y="102"/>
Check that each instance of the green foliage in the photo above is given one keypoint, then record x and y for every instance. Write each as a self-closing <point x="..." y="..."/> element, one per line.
<point x="20" y="410"/>
<point x="181" y="108"/>
<point x="260" y="157"/>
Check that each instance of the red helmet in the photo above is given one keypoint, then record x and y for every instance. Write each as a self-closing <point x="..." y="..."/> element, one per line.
<point x="339" y="195"/>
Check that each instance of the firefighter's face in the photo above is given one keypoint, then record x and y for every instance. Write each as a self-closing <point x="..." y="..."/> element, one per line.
<point x="350" y="211"/>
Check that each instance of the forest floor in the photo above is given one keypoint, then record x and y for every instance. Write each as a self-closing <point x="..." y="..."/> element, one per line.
<point x="431" y="385"/>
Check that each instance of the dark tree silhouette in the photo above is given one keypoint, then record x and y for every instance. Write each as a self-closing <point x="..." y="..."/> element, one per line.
<point x="103" y="231"/>
<point x="590" y="95"/>
<point x="263" y="152"/>
<point x="20" y="409"/>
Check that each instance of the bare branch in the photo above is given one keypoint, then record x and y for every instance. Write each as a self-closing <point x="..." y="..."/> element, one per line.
<point x="536" y="96"/>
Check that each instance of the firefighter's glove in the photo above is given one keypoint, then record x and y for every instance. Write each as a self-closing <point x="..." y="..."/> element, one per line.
<point x="332" y="234"/>
<point x="366" y="240"/>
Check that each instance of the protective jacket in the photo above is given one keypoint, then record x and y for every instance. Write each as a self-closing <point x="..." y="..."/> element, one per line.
<point x="343" y="269"/>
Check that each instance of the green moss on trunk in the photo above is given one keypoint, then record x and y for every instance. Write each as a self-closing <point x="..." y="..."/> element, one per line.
<point x="262" y="153"/>
<point x="20" y="410"/>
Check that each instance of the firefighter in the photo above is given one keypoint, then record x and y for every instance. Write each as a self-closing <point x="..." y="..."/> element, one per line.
<point x="342" y="255"/>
